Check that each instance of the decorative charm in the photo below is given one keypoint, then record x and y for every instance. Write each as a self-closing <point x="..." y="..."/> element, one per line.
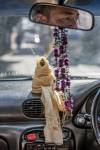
<point x="62" y="66"/>
<point x="44" y="82"/>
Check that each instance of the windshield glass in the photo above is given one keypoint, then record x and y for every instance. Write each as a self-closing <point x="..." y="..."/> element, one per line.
<point x="22" y="41"/>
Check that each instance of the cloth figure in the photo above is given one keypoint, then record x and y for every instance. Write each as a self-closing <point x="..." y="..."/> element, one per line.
<point x="44" y="83"/>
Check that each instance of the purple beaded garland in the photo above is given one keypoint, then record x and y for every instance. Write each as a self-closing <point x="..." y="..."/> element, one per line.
<point x="63" y="70"/>
<point x="63" y="85"/>
<point x="57" y="73"/>
<point x="68" y="104"/>
<point x="62" y="64"/>
<point x="66" y="61"/>
<point x="56" y="52"/>
<point x="61" y="48"/>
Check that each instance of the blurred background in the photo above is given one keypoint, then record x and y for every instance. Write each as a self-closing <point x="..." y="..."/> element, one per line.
<point x="22" y="41"/>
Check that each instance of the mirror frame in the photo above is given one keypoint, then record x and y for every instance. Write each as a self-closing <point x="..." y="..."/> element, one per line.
<point x="34" y="5"/>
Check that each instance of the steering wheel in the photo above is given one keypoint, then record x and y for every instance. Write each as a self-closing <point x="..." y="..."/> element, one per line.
<point x="94" y="116"/>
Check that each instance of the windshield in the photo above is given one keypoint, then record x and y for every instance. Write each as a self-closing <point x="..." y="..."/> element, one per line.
<point x="22" y="41"/>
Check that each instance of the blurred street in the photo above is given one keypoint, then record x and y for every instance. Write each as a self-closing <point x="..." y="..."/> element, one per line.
<point x="17" y="64"/>
<point x="22" y="42"/>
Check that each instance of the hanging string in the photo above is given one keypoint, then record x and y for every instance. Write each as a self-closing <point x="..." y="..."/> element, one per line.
<point x="62" y="66"/>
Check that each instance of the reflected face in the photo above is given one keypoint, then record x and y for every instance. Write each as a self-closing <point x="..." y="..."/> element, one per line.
<point x="40" y="17"/>
<point x="64" y="17"/>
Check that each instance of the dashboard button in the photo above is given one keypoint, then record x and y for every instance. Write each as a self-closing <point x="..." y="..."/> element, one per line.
<point x="31" y="137"/>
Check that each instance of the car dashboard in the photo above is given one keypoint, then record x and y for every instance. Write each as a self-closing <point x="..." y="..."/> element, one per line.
<point x="22" y="116"/>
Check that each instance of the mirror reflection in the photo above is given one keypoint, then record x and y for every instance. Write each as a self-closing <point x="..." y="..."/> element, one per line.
<point x="61" y="16"/>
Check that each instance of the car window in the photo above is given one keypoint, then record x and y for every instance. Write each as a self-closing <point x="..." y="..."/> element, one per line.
<point x="22" y="41"/>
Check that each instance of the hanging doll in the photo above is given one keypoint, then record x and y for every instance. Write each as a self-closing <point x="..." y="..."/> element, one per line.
<point x="44" y="83"/>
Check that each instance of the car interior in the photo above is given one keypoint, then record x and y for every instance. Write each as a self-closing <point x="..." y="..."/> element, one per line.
<point x="22" y="117"/>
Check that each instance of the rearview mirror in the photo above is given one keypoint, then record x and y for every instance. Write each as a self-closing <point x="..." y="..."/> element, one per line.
<point x="61" y="16"/>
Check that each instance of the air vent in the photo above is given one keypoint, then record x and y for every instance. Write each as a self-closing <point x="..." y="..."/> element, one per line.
<point x="33" y="108"/>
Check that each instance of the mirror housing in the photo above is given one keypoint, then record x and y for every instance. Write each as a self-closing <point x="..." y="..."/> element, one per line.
<point x="61" y="16"/>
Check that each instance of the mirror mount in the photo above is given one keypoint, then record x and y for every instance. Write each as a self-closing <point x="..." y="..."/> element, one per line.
<point x="61" y="2"/>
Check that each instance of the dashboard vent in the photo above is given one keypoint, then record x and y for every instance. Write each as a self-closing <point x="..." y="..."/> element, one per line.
<point x="33" y="108"/>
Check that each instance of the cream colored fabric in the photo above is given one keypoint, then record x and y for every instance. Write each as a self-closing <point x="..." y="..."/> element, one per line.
<point x="52" y="130"/>
<point x="60" y="101"/>
<point x="43" y="83"/>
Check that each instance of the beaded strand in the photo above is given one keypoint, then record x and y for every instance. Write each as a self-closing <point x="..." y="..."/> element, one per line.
<point x="60" y="53"/>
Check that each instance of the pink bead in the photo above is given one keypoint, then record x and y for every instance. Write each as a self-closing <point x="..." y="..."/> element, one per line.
<point x="57" y="73"/>
<point x="60" y="62"/>
<point x="63" y="85"/>
<point x="56" y="52"/>
<point x="66" y="62"/>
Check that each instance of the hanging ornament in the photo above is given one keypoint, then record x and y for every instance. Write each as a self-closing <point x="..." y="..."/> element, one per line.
<point x="62" y="66"/>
